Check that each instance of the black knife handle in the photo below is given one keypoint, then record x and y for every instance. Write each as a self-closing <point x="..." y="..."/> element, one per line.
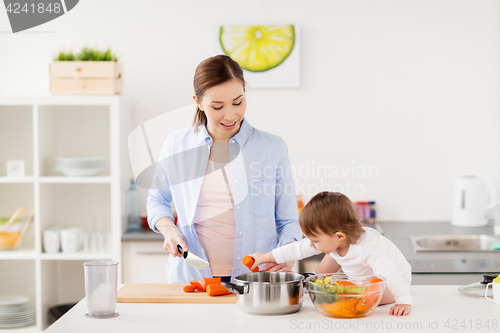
<point x="181" y="251"/>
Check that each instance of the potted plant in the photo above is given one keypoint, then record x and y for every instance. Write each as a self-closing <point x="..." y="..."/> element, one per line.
<point x="90" y="72"/>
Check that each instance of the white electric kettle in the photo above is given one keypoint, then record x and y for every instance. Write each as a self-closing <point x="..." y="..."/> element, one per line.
<point x="470" y="202"/>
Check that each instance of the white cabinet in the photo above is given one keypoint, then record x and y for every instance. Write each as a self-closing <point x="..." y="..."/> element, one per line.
<point x="144" y="262"/>
<point x="35" y="130"/>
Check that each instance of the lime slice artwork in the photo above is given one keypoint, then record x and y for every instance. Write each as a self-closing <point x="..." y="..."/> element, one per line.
<point x="258" y="48"/>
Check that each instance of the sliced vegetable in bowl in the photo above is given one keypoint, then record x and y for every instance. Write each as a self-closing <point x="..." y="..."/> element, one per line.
<point x="342" y="296"/>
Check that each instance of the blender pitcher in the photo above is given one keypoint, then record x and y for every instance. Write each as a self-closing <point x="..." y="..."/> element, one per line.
<point x="100" y="288"/>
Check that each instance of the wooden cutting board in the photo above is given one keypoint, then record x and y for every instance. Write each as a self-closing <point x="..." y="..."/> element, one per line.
<point x="167" y="293"/>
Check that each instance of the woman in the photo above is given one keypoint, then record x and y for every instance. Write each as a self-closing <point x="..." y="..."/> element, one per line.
<point x="231" y="183"/>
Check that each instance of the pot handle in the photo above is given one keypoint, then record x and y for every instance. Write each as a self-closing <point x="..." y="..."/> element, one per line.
<point x="236" y="288"/>
<point x="306" y="275"/>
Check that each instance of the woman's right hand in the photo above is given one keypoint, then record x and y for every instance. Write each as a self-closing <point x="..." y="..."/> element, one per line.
<point x="172" y="235"/>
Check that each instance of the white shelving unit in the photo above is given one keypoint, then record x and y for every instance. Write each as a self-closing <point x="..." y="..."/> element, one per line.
<point x="36" y="129"/>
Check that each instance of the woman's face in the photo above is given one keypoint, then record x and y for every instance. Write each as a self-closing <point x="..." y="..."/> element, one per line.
<point x="224" y="105"/>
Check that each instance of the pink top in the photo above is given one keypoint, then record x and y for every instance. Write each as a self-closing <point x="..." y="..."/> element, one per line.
<point x="214" y="219"/>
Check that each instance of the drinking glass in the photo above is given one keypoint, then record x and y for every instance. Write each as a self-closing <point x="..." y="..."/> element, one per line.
<point x="100" y="288"/>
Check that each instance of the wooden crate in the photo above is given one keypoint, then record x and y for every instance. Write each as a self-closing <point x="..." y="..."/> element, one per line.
<point x="86" y="78"/>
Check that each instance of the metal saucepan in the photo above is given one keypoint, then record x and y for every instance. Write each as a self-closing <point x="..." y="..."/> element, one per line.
<point x="268" y="293"/>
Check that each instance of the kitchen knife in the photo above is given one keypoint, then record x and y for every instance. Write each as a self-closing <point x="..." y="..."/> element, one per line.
<point x="191" y="259"/>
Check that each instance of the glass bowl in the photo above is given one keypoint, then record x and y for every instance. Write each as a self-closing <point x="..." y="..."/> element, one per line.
<point x="9" y="235"/>
<point x="341" y="296"/>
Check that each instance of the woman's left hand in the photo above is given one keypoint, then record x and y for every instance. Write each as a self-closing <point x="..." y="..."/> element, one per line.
<point x="274" y="267"/>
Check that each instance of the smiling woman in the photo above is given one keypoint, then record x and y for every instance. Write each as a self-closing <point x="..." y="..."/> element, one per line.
<point x="219" y="95"/>
<point x="219" y="219"/>
<point x="222" y="117"/>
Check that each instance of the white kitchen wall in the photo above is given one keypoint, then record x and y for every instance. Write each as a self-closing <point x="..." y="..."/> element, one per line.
<point x="397" y="98"/>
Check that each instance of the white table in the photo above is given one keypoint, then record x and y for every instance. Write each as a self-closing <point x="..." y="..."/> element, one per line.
<point x="435" y="309"/>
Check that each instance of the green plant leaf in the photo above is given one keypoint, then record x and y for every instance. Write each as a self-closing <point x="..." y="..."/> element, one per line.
<point x="87" y="54"/>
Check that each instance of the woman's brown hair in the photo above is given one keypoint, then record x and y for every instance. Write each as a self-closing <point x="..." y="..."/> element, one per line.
<point x="329" y="212"/>
<point x="210" y="73"/>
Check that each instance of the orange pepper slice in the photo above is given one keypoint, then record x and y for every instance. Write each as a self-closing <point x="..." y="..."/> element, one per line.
<point x="344" y="307"/>
<point x="345" y="283"/>
<point x="366" y="303"/>
<point x="372" y="286"/>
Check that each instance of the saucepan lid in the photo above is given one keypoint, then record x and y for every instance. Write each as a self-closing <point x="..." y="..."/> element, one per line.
<point x="477" y="289"/>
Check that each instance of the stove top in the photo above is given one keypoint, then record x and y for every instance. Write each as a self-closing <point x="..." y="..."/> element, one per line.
<point x="460" y="266"/>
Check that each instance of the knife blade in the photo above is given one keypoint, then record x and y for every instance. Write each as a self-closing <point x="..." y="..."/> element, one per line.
<point x="191" y="259"/>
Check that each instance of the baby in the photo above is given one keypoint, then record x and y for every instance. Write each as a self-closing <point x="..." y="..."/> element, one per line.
<point x="331" y="225"/>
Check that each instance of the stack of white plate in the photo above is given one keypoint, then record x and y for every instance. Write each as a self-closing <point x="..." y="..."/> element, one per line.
<point x="15" y="311"/>
<point x="79" y="166"/>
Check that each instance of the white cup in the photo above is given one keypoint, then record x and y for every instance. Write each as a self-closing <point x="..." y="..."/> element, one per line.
<point x="71" y="239"/>
<point x="94" y="243"/>
<point x="496" y="292"/>
<point x="108" y="248"/>
<point x="104" y="240"/>
<point x="86" y="243"/>
<point x="51" y="241"/>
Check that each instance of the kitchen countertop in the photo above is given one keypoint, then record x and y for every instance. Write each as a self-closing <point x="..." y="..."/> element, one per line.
<point x="436" y="309"/>
<point x="427" y="266"/>
<point x="442" y="268"/>
<point x="142" y="235"/>
<point x="399" y="233"/>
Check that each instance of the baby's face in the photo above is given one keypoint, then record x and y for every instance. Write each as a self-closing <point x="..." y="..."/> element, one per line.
<point x="326" y="243"/>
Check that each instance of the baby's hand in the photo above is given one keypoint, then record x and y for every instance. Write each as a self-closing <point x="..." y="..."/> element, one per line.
<point x="260" y="258"/>
<point x="400" y="310"/>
